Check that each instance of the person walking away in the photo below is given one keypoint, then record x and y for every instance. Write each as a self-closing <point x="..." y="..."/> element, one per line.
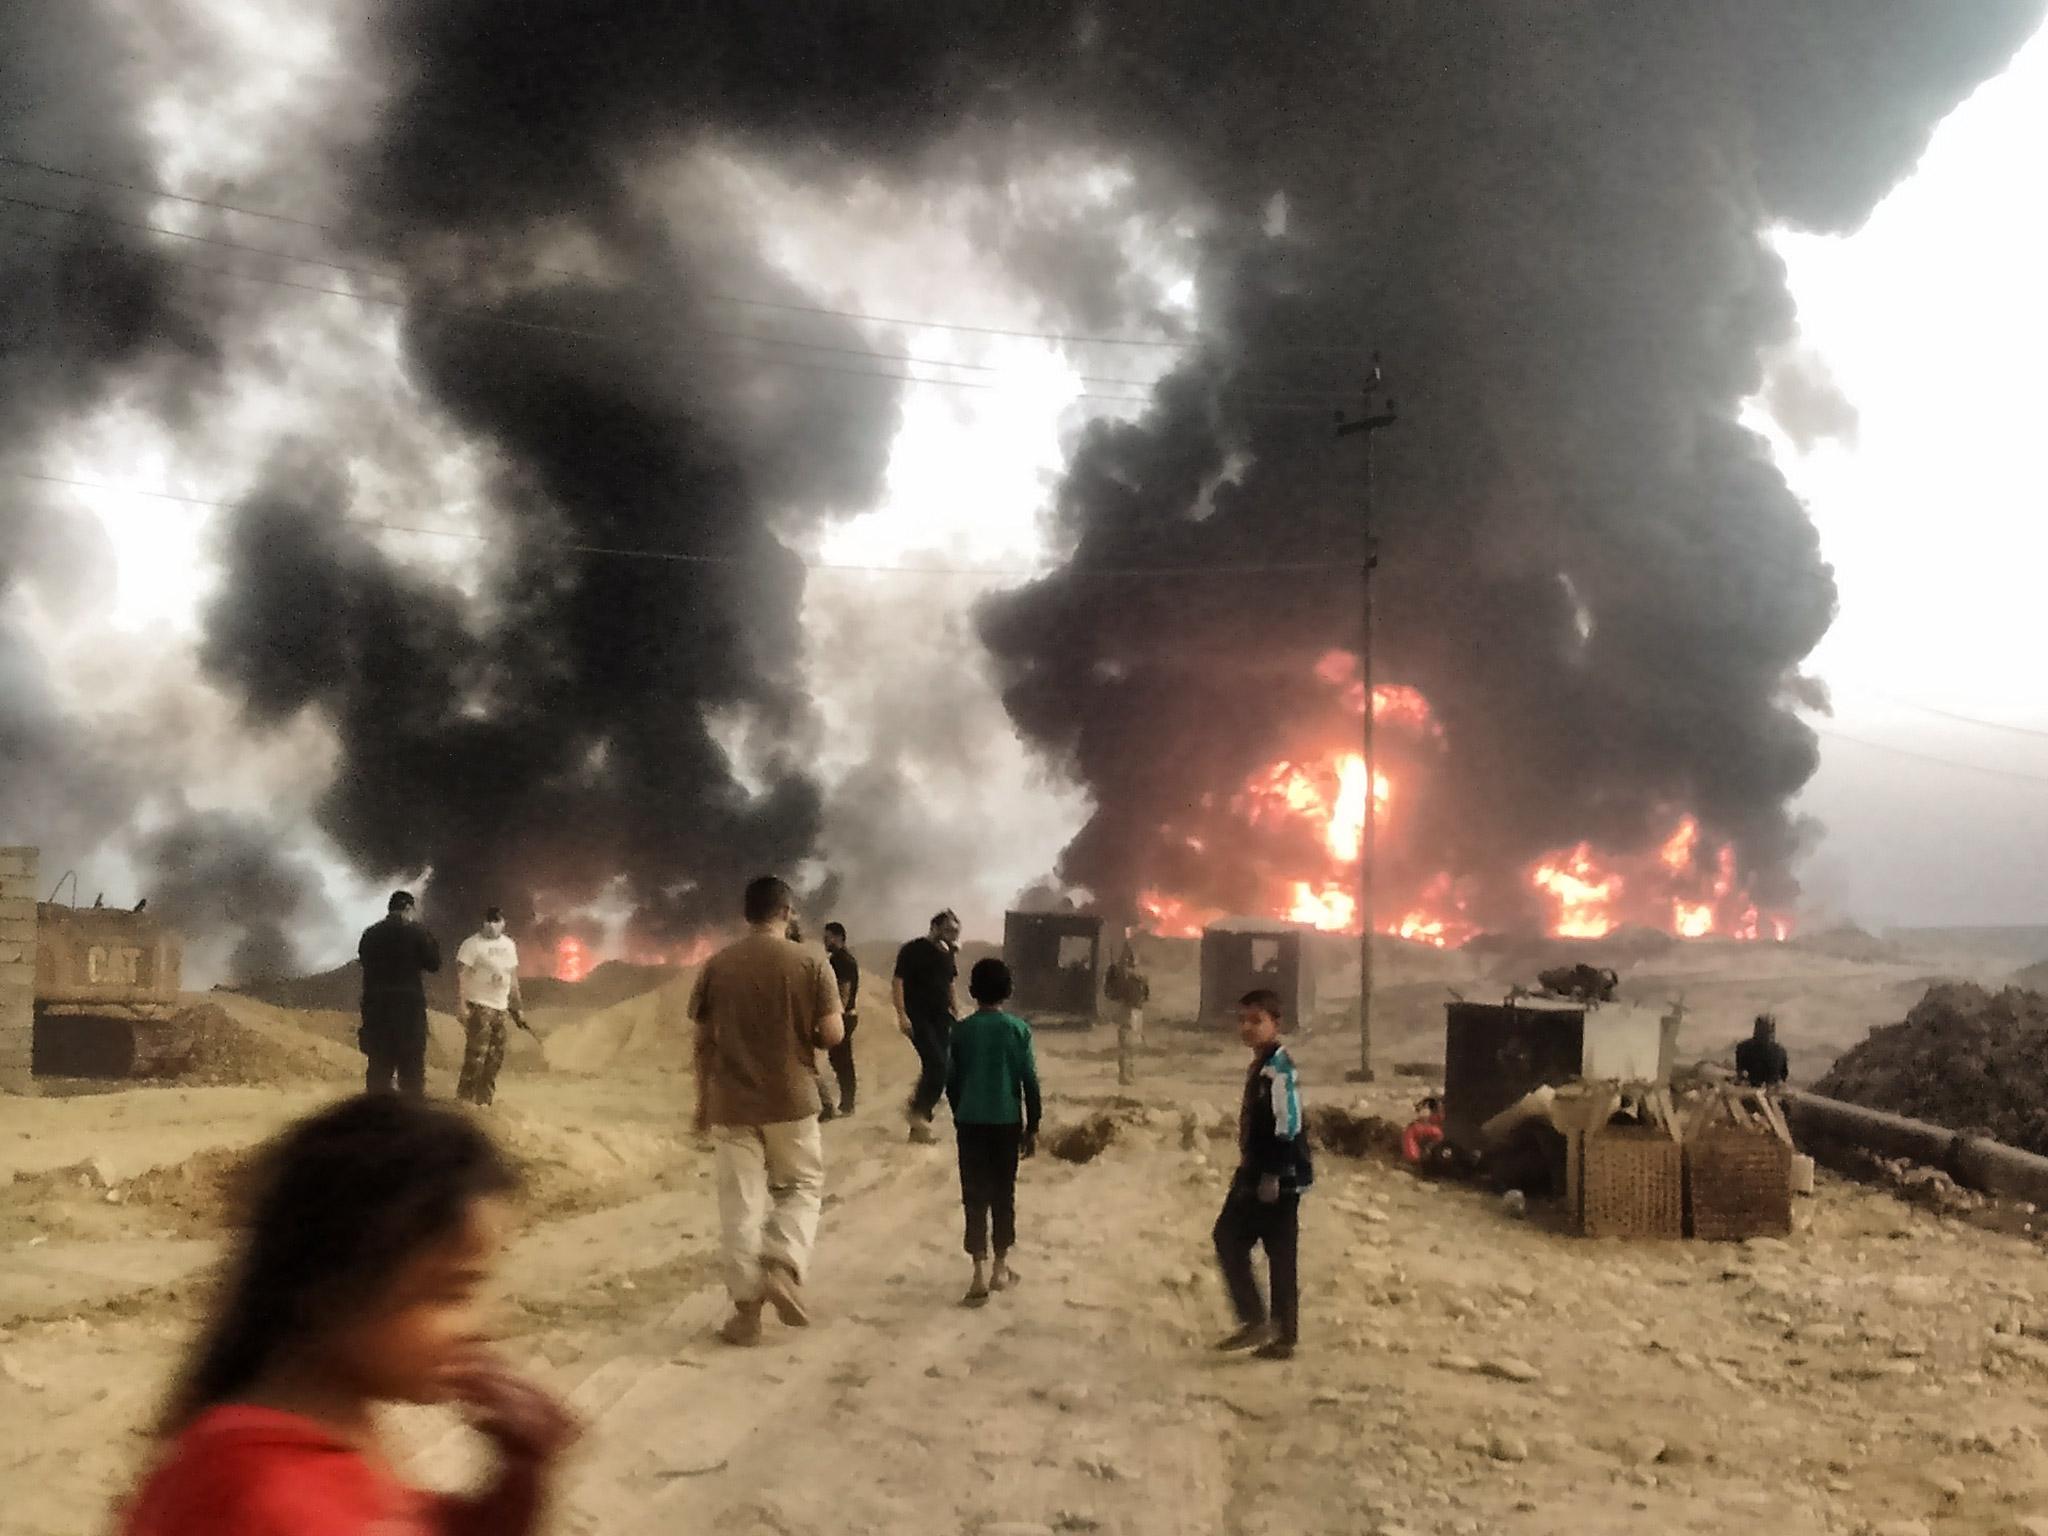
<point x="763" y="1008"/>
<point x="396" y="954"/>
<point x="359" y="1279"/>
<point x="487" y="997"/>
<point x="926" y="972"/>
<point x="992" y="1086"/>
<point x="846" y="974"/>
<point x="1760" y="1060"/>
<point x="1263" y="1208"/>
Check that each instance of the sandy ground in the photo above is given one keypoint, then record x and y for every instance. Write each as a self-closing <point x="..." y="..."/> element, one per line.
<point x="1463" y="1371"/>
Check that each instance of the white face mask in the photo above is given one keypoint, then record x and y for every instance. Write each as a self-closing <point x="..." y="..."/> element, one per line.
<point x="494" y="930"/>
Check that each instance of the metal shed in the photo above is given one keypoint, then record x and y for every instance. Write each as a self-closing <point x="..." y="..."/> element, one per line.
<point x="1055" y="961"/>
<point x="1240" y="954"/>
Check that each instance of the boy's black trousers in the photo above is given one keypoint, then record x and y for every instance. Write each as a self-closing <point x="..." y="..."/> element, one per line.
<point x="1245" y="1224"/>
<point x="988" y="1184"/>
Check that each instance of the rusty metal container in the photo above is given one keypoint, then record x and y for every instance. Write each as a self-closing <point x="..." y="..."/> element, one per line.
<point x="1496" y="1053"/>
<point x="106" y="989"/>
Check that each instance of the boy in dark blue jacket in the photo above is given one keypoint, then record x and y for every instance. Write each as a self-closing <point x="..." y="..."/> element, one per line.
<point x="1263" y="1207"/>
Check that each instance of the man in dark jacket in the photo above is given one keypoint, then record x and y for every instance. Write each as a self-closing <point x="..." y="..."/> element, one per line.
<point x="1263" y="1208"/>
<point x="1760" y="1060"/>
<point x="396" y="954"/>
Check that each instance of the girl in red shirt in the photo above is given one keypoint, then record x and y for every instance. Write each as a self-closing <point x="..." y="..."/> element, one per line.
<point x="358" y="1280"/>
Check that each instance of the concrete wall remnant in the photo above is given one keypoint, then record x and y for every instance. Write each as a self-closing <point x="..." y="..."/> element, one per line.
<point x="1240" y="955"/>
<point x="1055" y="961"/>
<point x="18" y="873"/>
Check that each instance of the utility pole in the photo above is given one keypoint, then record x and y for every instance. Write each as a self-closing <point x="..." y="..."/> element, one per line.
<point x="1379" y="414"/>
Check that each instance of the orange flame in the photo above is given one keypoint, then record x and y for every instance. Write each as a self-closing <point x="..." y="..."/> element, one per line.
<point x="1671" y="884"/>
<point x="1581" y="894"/>
<point x="1173" y="918"/>
<point x="572" y="960"/>
<point x="694" y="953"/>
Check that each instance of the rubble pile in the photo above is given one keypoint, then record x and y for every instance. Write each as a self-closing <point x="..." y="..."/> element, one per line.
<point x="1970" y="1059"/>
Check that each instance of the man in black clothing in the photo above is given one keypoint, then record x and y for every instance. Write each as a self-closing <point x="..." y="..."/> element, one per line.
<point x="1760" y="1060"/>
<point x="846" y="972"/>
<point x="396" y="954"/>
<point x="925" y="972"/>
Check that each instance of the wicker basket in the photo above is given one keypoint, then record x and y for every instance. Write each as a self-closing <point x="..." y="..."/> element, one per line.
<point x="1738" y="1184"/>
<point x="1630" y="1182"/>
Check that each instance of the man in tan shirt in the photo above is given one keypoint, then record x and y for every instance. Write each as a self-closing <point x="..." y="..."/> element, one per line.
<point x="764" y="1007"/>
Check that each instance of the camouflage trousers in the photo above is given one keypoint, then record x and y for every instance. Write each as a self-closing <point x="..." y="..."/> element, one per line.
<point x="483" y="1052"/>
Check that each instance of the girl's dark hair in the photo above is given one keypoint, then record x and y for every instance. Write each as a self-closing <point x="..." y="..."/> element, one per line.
<point x="989" y="982"/>
<point x="334" y="1207"/>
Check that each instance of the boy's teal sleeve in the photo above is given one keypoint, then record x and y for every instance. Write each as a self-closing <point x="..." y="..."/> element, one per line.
<point x="1027" y="1076"/>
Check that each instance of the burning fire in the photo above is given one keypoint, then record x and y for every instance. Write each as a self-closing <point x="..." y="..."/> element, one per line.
<point x="1317" y="808"/>
<point x="1694" y="899"/>
<point x="572" y="959"/>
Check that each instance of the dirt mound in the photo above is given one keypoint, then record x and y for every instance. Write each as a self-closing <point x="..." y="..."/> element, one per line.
<point x="1965" y="1057"/>
<point x="1353" y="1132"/>
<point x="2034" y="978"/>
<point x="340" y="990"/>
<point x="1081" y="1143"/>
<point x="188" y="1198"/>
<point x="211" y="1046"/>
<point x="1848" y="943"/>
<point x="647" y="1033"/>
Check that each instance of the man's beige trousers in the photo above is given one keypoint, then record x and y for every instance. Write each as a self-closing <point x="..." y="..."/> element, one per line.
<point x="771" y="1186"/>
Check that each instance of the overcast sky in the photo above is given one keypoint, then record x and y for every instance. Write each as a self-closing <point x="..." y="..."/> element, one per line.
<point x="1933" y="319"/>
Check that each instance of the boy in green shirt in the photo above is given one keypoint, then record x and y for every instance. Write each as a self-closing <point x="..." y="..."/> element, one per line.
<point x="992" y="1073"/>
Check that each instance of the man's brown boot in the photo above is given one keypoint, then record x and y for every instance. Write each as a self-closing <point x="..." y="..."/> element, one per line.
<point x="783" y="1291"/>
<point x="744" y="1326"/>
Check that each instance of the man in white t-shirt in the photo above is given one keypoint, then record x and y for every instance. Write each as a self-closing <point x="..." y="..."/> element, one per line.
<point x="487" y="997"/>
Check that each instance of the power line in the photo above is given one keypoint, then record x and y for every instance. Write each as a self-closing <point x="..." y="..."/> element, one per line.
<point x="1929" y="757"/>
<point x="486" y="317"/>
<point x="1297" y="567"/>
<point x="1945" y="714"/>
<point x="1327" y="349"/>
<point x="393" y="273"/>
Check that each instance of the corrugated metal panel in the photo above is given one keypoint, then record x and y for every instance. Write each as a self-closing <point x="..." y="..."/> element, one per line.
<point x="1495" y="1053"/>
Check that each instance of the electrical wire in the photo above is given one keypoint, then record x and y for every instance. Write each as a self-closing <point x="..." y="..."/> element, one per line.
<point x="1324" y="399"/>
<point x="1297" y="567"/>
<point x="2034" y="732"/>
<point x="485" y="317"/>
<point x="1327" y="349"/>
<point x="1929" y="757"/>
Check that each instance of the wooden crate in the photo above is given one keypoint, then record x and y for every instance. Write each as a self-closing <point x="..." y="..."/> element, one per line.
<point x="1630" y="1182"/>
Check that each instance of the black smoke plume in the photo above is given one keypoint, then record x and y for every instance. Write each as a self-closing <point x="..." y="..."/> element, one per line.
<point x="81" y="316"/>
<point x="1550" y="219"/>
<point x="222" y="882"/>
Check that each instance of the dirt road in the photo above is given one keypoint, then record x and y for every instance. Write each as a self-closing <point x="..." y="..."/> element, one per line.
<point x="1463" y="1371"/>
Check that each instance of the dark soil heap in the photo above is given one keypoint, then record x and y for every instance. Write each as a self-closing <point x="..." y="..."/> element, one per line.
<point x="341" y="989"/>
<point x="1966" y="1058"/>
